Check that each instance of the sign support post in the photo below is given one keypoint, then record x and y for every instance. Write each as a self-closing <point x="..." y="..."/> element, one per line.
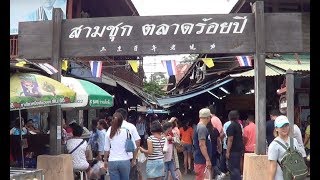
<point x="260" y="79"/>
<point x="290" y="98"/>
<point x="55" y="111"/>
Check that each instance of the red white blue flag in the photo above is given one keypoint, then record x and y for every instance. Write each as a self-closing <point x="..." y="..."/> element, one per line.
<point x="96" y="68"/>
<point x="244" y="60"/>
<point x="48" y="68"/>
<point x="170" y="66"/>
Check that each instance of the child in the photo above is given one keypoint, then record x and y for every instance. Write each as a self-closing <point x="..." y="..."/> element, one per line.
<point x="168" y="157"/>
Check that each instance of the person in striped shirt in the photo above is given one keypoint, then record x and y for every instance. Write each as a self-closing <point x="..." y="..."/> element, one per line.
<point x="155" y="163"/>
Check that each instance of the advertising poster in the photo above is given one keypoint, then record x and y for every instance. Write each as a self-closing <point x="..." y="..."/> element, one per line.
<point x="33" y="10"/>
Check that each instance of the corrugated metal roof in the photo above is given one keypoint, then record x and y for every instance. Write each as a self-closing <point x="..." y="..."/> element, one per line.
<point x="270" y="71"/>
<point x="293" y="64"/>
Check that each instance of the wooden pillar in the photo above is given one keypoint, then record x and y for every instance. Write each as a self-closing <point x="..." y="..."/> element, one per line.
<point x="69" y="9"/>
<point x="260" y="79"/>
<point x="55" y="111"/>
<point x="290" y="98"/>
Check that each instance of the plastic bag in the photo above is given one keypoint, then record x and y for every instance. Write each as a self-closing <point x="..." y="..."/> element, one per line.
<point x="165" y="146"/>
<point x="97" y="170"/>
<point x="207" y="174"/>
<point x="141" y="157"/>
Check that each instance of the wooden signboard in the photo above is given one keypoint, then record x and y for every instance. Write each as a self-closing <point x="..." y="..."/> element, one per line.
<point x="154" y="35"/>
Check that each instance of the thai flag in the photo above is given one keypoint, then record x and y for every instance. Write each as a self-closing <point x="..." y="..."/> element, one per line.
<point x="96" y="68"/>
<point x="244" y="60"/>
<point x="170" y="65"/>
<point x="48" y="68"/>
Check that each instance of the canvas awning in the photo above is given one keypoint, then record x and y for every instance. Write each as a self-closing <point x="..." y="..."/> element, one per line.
<point x="87" y="94"/>
<point x="29" y="90"/>
<point x="200" y="90"/>
<point x="270" y="71"/>
<point x="293" y="64"/>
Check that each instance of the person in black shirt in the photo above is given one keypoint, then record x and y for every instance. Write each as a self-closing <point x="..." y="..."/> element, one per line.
<point x="214" y="134"/>
<point x="270" y="125"/>
<point x="235" y="146"/>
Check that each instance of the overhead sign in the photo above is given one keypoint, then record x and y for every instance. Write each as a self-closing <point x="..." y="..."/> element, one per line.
<point x="156" y="35"/>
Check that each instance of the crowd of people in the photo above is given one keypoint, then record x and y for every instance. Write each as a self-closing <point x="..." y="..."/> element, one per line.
<point x="207" y="144"/>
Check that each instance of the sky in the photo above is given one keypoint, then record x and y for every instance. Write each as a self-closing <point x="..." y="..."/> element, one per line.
<point x="153" y="64"/>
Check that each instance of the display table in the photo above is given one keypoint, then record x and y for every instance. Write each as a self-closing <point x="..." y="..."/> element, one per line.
<point x="23" y="174"/>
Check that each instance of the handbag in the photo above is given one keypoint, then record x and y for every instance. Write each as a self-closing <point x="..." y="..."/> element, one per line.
<point x="129" y="145"/>
<point x="177" y="143"/>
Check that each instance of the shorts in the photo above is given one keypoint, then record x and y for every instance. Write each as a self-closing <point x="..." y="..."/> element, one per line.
<point x="199" y="170"/>
<point x="155" y="168"/>
<point x="187" y="147"/>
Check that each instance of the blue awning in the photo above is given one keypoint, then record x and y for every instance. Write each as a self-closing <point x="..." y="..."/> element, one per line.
<point x="200" y="90"/>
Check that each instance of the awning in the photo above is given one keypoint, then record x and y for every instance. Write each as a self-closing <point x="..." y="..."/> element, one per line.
<point x="270" y="71"/>
<point x="149" y="97"/>
<point x="132" y="90"/>
<point x="28" y="90"/>
<point x="88" y="94"/>
<point x="85" y="73"/>
<point x="292" y="64"/>
<point x="200" y="90"/>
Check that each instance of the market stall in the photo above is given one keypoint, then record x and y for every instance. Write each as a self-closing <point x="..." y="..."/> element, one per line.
<point x="89" y="96"/>
<point x="30" y="90"/>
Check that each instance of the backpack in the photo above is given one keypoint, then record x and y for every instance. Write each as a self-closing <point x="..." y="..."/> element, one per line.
<point x="292" y="163"/>
<point x="129" y="145"/>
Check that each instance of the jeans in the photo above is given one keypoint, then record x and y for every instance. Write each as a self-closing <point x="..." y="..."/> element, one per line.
<point x="169" y="166"/>
<point x="223" y="161"/>
<point x="234" y="165"/>
<point x="119" y="170"/>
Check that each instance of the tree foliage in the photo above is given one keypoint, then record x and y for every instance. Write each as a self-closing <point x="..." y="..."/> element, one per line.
<point x="189" y="59"/>
<point x="153" y="88"/>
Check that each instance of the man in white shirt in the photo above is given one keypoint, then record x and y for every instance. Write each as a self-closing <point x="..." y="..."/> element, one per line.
<point x="135" y="135"/>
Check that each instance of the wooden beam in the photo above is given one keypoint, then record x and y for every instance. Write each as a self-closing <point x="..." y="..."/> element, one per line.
<point x="55" y="111"/>
<point x="69" y="9"/>
<point x="260" y="78"/>
<point x="290" y="98"/>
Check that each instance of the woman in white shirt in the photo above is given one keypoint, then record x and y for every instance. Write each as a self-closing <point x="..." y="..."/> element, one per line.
<point x="118" y="160"/>
<point x="77" y="147"/>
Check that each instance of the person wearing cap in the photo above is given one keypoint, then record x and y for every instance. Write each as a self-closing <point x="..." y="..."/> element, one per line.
<point x="202" y="145"/>
<point x="275" y="151"/>
<point x="235" y="146"/>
